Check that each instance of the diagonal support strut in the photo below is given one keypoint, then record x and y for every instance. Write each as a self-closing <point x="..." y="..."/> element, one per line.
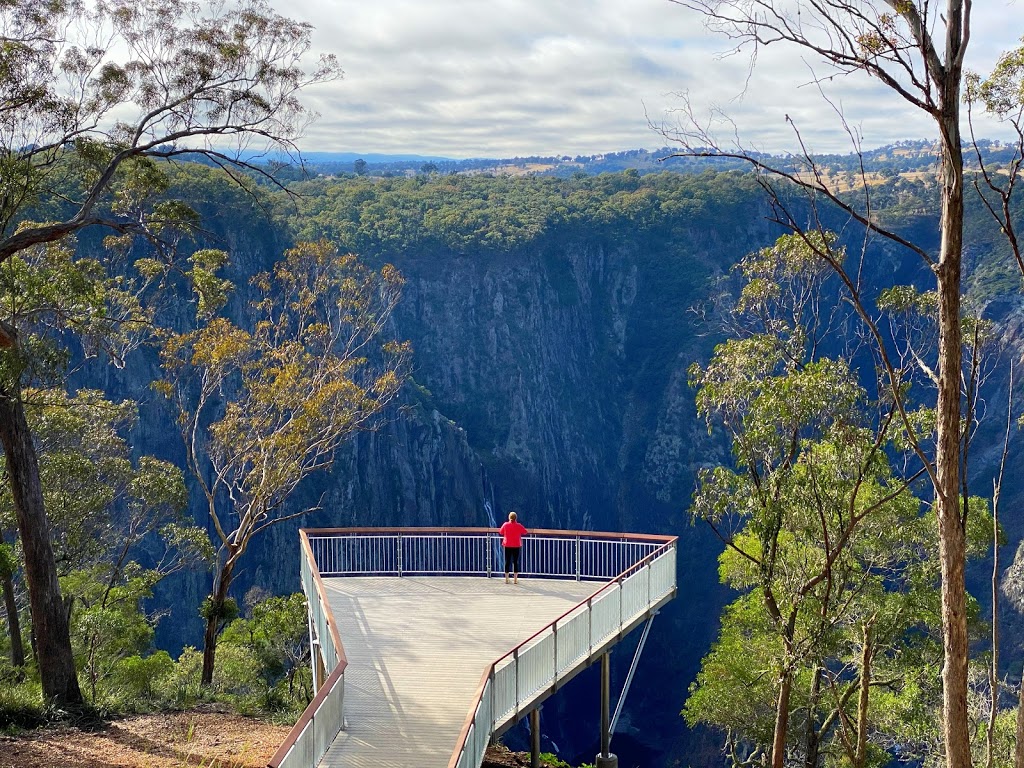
<point x="629" y="677"/>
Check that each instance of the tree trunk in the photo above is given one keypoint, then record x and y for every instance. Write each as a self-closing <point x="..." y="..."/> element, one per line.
<point x="812" y="746"/>
<point x="1018" y="749"/>
<point x="781" y="720"/>
<point x="952" y="545"/>
<point x="218" y="599"/>
<point x="13" y="620"/>
<point x="860" y="758"/>
<point x="993" y="667"/>
<point x="49" y="615"/>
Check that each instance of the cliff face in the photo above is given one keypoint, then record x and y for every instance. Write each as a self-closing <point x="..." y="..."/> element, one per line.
<point x="566" y="366"/>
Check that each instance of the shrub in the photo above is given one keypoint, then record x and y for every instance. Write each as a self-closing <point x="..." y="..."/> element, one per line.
<point x="21" y="705"/>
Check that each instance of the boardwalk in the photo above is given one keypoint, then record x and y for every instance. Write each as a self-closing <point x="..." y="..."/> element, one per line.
<point x="417" y="647"/>
<point x="427" y="659"/>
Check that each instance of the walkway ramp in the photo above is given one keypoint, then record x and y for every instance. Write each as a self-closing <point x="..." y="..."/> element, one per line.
<point x="416" y="649"/>
<point x="422" y="654"/>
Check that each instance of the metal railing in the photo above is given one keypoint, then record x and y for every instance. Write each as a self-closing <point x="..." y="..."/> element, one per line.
<point x="475" y="552"/>
<point x="640" y="571"/>
<point x="320" y="723"/>
<point x="537" y="666"/>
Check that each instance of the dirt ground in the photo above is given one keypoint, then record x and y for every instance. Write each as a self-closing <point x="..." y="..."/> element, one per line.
<point x="176" y="740"/>
<point x="202" y="739"/>
<point x="501" y="757"/>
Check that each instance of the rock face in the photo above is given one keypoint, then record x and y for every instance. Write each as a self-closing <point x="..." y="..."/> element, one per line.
<point x="568" y="389"/>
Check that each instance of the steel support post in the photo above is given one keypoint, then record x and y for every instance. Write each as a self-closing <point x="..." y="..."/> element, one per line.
<point x="535" y="738"/>
<point x="314" y="652"/>
<point x="606" y="759"/>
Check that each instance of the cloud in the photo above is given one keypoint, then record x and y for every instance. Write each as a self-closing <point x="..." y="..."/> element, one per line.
<point x="465" y="78"/>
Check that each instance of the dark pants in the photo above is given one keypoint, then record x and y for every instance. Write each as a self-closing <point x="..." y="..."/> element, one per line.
<point x="512" y="559"/>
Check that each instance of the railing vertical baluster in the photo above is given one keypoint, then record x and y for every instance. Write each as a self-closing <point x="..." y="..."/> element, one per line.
<point x="398" y="549"/>
<point x="620" y="582"/>
<point x="515" y="665"/>
<point x="554" y="652"/>
<point x="590" y="626"/>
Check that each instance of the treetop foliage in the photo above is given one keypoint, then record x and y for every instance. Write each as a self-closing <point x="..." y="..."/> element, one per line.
<point x="90" y="91"/>
<point x="486" y="214"/>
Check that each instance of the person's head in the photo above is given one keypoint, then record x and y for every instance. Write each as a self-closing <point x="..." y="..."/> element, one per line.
<point x="511" y="517"/>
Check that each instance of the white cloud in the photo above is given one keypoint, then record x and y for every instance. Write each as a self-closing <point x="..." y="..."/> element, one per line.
<point x="468" y="78"/>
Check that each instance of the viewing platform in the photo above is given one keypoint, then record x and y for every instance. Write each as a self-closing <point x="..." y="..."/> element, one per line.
<point x="423" y="654"/>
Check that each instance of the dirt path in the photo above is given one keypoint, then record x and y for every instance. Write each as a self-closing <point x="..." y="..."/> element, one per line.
<point x="198" y="739"/>
<point x="178" y="740"/>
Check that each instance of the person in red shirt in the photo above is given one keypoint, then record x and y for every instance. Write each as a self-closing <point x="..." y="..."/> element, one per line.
<point x="512" y="534"/>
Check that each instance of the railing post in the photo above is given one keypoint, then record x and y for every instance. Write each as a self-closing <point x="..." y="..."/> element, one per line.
<point x="590" y="626"/>
<point x="398" y="553"/>
<point x="554" y="644"/>
<point x="579" y="564"/>
<point x="494" y="713"/>
<point x="313" y="650"/>
<point x="620" y="582"/>
<point x="489" y="548"/>
<point x="515" y="663"/>
<point x="650" y="567"/>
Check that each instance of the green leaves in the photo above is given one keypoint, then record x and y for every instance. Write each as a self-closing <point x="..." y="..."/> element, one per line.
<point x="768" y="401"/>
<point x="265" y="403"/>
<point x="1002" y="92"/>
<point x="101" y="502"/>
<point x="834" y="557"/>
<point x="264" y="658"/>
<point x="211" y="291"/>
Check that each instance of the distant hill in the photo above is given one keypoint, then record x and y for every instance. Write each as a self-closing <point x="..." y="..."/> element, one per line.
<point x="909" y="156"/>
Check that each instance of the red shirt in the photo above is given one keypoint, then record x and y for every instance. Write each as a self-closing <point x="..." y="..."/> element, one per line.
<point x="512" y="534"/>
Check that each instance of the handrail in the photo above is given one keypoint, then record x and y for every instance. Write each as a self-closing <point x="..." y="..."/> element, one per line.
<point x="545" y="553"/>
<point x="490" y="672"/>
<point x="321" y="590"/>
<point x="336" y="675"/>
<point x="556" y="532"/>
<point x="617" y="580"/>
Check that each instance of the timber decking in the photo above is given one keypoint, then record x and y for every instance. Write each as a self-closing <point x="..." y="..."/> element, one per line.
<point x="417" y="648"/>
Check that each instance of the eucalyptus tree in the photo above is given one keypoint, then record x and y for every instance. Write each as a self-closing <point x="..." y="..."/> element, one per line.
<point x="264" y="404"/>
<point x="837" y="564"/>
<point x="92" y="97"/>
<point x="810" y="512"/>
<point x="56" y="304"/>
<point x="100" y="502"/>
<point x="104" y="506"/>
<point x="916" y="49"/>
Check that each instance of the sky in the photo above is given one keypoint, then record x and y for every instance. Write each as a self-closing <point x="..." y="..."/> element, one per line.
<point x="507" y="78"/>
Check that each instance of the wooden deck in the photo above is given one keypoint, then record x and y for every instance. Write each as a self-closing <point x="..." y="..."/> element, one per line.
<point x="417" y="647"/>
